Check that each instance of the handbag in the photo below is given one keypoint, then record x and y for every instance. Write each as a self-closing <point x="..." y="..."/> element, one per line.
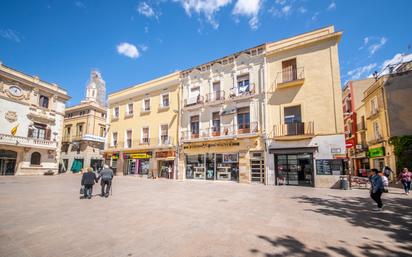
<point x="82" y="190"/>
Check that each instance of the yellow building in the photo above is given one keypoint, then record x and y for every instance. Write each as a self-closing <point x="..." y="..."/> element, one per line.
<point x="388" y="114"/>
<point x="84" y="129"/>
<point x="143" y="126"/>
<point x="304" y="119"/>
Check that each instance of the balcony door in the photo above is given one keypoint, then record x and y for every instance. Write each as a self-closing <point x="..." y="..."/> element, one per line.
<point x="289" y="70"/>
<point x="216" y="124"/>
<point x="243" y="120"/>
<point x="194" y="126"/>
<point x="293" y="120"/>
<point x="216" y="91"/>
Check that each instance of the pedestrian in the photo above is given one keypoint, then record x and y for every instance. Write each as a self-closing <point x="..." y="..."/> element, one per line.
<point x="405" y="177"/>
<point x="106" y="174"/>
<point x="387" y="171"/>
<point x="377" y="188"/>
<point x="169" y="171"/>
<point x="88" y="179"/>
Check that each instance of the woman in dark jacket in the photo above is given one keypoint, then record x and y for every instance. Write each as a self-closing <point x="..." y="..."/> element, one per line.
<point x="88" y="180"/>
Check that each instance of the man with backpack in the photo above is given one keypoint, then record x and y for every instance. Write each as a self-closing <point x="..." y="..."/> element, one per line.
<point x="106" y="174"/>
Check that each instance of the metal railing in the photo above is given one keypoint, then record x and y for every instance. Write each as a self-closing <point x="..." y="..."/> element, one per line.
<point x="240" y="91"/>
<point x="145" y="109"/>
<point x="294" y="129"/>
<point x="26" y="141"/>
<point x="144" y="141"/>
<point x="222" y="130"/>
<point x="192" y="101"/>
<point x="215" y="96"/>
<point x="165" y="140"/>
<point x="290" y="74"/>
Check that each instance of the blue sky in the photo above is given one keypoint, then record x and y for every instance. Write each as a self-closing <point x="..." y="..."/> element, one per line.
<point x="132" y="41"/>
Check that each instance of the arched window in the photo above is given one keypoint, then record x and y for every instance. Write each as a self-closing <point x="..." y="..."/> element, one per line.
<point x="35" y="158"/>
<point x="44" y="101"/>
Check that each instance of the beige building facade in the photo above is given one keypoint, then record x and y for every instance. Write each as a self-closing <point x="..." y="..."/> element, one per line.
<point x="84" y="130"/>
<point x="304" y="126"/>
<point x="143" y="128"/>
<point x="31" y="119"/>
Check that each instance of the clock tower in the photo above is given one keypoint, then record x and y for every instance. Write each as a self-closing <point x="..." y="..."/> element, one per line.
<point x="96" y="89"/>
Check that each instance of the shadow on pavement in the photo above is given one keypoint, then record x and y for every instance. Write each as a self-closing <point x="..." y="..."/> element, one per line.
<point x="291" y="246"/>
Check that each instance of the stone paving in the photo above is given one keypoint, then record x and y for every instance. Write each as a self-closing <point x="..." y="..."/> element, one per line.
<point x="43" y="216"/>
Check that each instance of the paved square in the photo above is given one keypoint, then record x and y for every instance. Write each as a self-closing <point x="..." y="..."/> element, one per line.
<point x="43" y="216"/>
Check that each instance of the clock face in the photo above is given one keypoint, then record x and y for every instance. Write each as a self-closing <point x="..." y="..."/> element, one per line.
<point x="16" y="91"/>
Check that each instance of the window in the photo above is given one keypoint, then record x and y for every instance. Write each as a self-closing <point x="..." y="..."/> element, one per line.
<point x="79" y="130"/>
<point x="377" y="130"/>
<point x="217" y="94"/>
<point x="68" y="131"/>
<point x="102" y="131"/>
<point x="164" y="134"/>
<point x="289" y="70"/>
<point x="165" y="100"/>
<point x="130" y="109"/>
<point x="103" y="115"/>
<point x="348" y="105"/>
<point x="216" y="123"/>
<point x="39" y="131"/>
<point x="128" y="139"/>
<point x="292" y="114"/>
<point x="44" y="101"/>
<point x="243" y="120"/>
<point x="374" y="105"/>
<point x="145" y="135"/>
<point x="116" y="112"/>
<point x="194" y="126"/>
<point x="146" y="105"/>
<point x="243" y="85"/>
<point x="114" y="139"/>
<point x="35" y="158"/>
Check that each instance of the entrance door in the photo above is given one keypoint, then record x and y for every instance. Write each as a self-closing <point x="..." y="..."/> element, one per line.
<point x="257" y="164"/>
<point x="210" y="166"/>
<point x="7" y="162"/>
<point x="97" y="165"/>
<point x="294" y="169"/>
<point x="164" y="168"/>
<point x="131" y="167"/>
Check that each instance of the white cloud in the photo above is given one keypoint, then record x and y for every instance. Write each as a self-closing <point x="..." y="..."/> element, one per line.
<point x="249" y="8"/>
<point x="143" y="47"/>
<point x="361" y="71"/>
<point x="375" y="47"/>
<point x="146" y="29"/>
<point x="281" y="2"/>
<point x="208" y="8"/>
<point x="302" y="9"/>
<point x="332" y="6"/>
<point x="80" y="4"/>
<point x="397" y="59"/>
<point x="144" y="9"/>
<point x="366" y="40"/>
<point x="315" y="16"/>
<point x="128" y="50"/>
<point x="10" y="35"/>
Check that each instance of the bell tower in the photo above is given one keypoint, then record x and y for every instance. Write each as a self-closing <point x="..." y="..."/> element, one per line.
<point x="96" y="89"/>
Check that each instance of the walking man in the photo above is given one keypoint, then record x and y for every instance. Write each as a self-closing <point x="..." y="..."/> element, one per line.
<point x="106" y="174"/>
<point x="377" y="188"/>
<point x="88" y="179"/>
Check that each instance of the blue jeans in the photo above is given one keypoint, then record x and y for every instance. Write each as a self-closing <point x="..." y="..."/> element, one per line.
<point x="406" y="186"/>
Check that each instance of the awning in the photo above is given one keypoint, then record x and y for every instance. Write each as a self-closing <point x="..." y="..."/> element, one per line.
<point x="289" y="150"/>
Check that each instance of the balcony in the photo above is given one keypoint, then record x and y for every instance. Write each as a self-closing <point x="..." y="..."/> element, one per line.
<point x="144" y="110"/>
<point x="215" y="98"/>
<point x="294" y="131"/>
<point x="241" y="93"/>
<point x="377" y="140"/>
<point x="165" y="140"/>
<point x="361" y="127"/>
<point x="77" y="137"/>
<point x="27" y="142"/>
<point x="66" y="139"/>
<point x="193" y="102"/>
<point x="373" y="113"/>
<point x="128" y="115"/>
<point x="114" y="118"/>
<point x="290" y="78"/>
<point x="163" y="107"/>
<point x="144" y="141"/>
<point x="222" y="132"/>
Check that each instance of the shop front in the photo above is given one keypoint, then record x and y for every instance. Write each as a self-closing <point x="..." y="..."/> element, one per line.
<point x="166" y="164"/>
<point x="137" y="163"/>
<point x="227" y="160"/>
<point x="377" y="157"/>
<point x="7" y="162"/>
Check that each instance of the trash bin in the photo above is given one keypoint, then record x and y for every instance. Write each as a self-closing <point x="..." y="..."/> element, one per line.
<point x="344" y="183"/>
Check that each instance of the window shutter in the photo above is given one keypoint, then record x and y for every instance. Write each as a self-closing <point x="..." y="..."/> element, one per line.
<point x="48" y="134"/>
<point x="30" y="133"/>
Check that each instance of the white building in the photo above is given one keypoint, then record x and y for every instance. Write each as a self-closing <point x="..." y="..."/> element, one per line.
<point x="31" y="118"/>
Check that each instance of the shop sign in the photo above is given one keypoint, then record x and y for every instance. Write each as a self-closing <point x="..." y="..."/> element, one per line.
<point x="335" y="150"/>
<point x="209" y="145"/>
<point x="115" y="156"/>
<point x="376" y="152"/>
<point x="339" y="156"/>
<point x="138" y="156"/>
<point x="165" y="154"/>
<point x="350" y="143"/>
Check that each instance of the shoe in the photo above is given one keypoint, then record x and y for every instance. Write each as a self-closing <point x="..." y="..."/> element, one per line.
<point x="89" y="197"/>
<point x="377" y="209"/>
<point x="106" y="196"/>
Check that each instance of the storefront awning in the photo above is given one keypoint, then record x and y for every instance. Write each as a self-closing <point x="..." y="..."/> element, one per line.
<point x="293" y="150"/>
